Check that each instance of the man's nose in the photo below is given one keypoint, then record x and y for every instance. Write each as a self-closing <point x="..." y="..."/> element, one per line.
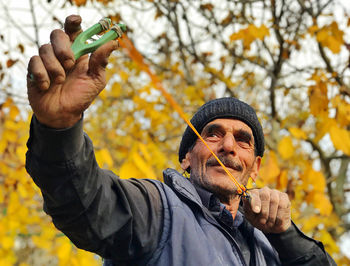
<point x="228" y="144"/>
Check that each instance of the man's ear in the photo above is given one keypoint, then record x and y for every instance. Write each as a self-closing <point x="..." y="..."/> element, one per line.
<point x="185" y="164"/>
<point x="256" y="167"/>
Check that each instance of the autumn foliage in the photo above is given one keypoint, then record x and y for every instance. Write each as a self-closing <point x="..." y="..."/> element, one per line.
<point x="288" y="59"/>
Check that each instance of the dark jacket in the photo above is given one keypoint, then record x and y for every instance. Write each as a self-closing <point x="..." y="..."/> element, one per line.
<point x="192" y="236"/>
<point x="138" y="222"/>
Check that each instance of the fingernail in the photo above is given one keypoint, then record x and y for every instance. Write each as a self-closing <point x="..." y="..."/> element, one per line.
<point x="44" y="85"/>
<point x="263" y="221"/>
<point x="256" y="209"/>
<point x="69" y="63"/>
<point x="60" y="79"/>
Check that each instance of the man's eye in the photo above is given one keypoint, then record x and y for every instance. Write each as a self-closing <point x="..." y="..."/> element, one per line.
<point x="212" y="136"/>
<point x="245" y="140"/>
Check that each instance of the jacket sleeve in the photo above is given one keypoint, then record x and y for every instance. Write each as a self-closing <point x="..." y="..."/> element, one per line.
<point x="115" y="218"/>
<point x="295" y="248"/>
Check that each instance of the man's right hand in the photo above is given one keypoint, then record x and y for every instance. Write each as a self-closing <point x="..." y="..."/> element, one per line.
<point x="60" y="88"/>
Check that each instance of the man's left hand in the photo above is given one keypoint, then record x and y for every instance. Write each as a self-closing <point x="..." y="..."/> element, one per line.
<point x="268" y="210"/>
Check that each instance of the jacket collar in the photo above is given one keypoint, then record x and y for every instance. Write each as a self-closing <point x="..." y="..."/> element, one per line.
<point x="200" y="196"/>
<point x="181" y="185"/>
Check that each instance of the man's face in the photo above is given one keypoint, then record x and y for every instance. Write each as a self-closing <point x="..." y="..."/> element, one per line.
<point x="233" y="142"/>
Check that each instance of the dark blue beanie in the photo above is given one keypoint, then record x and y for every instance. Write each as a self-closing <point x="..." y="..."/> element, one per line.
<point x="227" y="107"/>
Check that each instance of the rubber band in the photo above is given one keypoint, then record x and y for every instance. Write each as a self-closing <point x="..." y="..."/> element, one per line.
<point x="138" y="58"/>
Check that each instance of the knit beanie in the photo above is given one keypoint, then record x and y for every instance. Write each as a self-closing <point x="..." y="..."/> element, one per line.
<point x="227" y="107"/>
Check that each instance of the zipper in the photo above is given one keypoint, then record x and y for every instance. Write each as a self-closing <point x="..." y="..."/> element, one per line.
<point x="209" y="217"/>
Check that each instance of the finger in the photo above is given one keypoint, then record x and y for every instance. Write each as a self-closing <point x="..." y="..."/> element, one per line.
<point x="264" y="194"/>
<point x="51" y="63"/>
<point x="99" y="58"/>
<point x="72" y="26"/>
<point x="283" y="213"/>
<point x="37" y="75"/>
<point x="62" y="49"/>
<point x="255" y="202"/>
<point x="273" y="208"/>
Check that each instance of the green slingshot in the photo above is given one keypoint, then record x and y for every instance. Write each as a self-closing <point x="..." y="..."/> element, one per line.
<point x="80" y="47"/>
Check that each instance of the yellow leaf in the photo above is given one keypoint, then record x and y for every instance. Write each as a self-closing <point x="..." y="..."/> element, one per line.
<point x="116" y="90"/>
<point x="313" y="180"/>
<point x="323" y="125"/>
<point x="11" y="125"/>
<point x="282" y="180"/>
<point x="250" y="34"/>
<point x="63" y="251"/>
<point x="21" y="153"/>
<point x="343" y="111"/>
<point x="313" y="29"/>
<point x="103" y="94"/>
<point x="2" y="194"/>
<point x="263" y="31"/>
<point x="331" y="37"/>
<point x="124" y="75"/>
<point x="14" y="204"/>
<point x="322" y="35"/>
<point x="85" y="258"/>
<point x="318" y="100"/>
<point x="310" y="224"/>
<point x="3" y="145"/>
<point x="22" y="215"/>
<point x="128" y="170"/>
<point x="144" y="151"/>
<point x="298" y="133"/>
<point x="46" y="237"/>
<point x="321" y="202"/>
<point x="41" y="243"/>
<point x="328" y="241"/>
<point x="104" y="158"/>
<point x="8" y="258"/>
<point x="10" y="136"/>
<point x="143" y="166"/>
<point x="285" y="148"/>
<point x="270" y="169"/>
<point x="340" y="138"/>
<point x="14" y="112"/>
<point x="7" y="242"/>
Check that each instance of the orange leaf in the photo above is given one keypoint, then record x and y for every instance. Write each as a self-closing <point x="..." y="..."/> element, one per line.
<point x="80" y="2"/>
<point x="209" y="7"/>
<point x="10" y="62"/>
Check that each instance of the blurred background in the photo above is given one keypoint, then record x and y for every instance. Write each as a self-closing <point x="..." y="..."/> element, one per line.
<point x="288" y="59"/>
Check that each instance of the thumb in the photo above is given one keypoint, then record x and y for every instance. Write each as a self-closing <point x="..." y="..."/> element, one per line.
<point x="253" y="203"/>
<point x="99" y="59"/>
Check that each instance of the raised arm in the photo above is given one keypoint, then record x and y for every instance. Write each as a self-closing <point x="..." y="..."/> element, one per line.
<point x="119" y="219"/>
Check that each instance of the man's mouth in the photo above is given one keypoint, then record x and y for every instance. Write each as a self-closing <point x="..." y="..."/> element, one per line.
<point x="226" y="161"/>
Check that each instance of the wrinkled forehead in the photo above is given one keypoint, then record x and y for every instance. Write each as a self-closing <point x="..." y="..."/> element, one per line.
<point x="227" y="124"/>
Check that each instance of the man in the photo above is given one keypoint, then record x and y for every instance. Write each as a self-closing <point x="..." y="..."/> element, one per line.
<point x="196" y="221"/>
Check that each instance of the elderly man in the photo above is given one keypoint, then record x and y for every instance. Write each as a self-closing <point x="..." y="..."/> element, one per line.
<point x="197" y="221"/>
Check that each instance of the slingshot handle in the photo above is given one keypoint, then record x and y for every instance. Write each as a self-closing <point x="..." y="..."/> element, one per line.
<point x="80" y="47"/>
